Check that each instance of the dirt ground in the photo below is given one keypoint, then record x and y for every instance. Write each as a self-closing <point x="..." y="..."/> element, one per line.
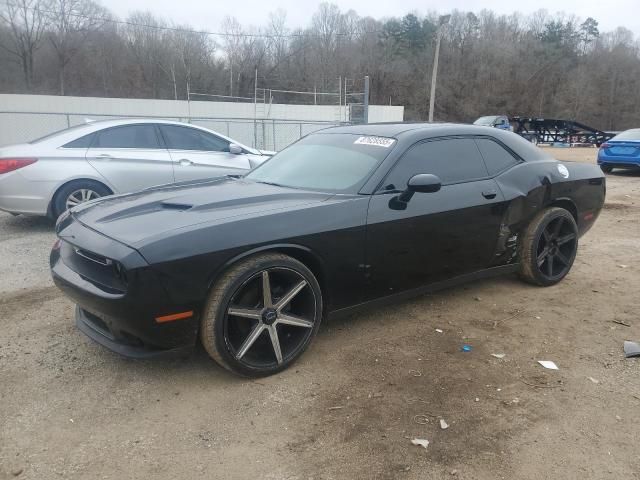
<point x="367" y="386"/>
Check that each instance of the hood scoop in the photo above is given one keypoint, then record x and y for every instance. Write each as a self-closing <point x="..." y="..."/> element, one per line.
<point x="176" y="206"/>
<point x="142" y="209"/>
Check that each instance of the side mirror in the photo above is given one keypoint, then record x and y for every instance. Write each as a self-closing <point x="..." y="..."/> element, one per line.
<point x="424" y="183"/>
<point x="235" y="149"/>
<point x="421" y="183"/>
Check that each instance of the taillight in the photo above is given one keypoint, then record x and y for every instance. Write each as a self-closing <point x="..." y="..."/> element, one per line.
<point x="10" y="164"/>
<point x="605" y="145"/>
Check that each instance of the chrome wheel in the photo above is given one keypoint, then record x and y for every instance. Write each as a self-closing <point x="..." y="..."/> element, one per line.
<point x="556" y="248"/>
<point x="270" y="318"/>
<point x="80" y="196"/>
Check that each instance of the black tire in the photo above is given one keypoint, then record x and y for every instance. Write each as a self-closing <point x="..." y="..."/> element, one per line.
<point x="60" y="199"/>
<point x="226" y="327"/>
<point x="549" y="246"/>
<point x="606" y="168"/>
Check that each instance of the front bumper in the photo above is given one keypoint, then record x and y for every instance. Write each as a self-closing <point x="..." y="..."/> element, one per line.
<point x="97" y="330"/>
<point x="120" y="315"/>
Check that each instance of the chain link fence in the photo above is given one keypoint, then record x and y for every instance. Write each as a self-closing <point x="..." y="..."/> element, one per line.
<point x="264" y="134"/>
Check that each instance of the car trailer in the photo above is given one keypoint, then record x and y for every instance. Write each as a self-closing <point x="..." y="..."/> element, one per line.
<point x="551" y="130"/>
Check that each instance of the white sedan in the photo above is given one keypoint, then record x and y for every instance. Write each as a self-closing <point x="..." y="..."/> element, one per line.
<point x="54" y="173"/>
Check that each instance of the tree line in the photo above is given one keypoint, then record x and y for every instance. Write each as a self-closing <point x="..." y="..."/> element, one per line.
<point x="543" y="65"/>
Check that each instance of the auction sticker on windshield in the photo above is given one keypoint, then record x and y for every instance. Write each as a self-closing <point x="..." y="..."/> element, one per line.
<point x="376" y="141"/>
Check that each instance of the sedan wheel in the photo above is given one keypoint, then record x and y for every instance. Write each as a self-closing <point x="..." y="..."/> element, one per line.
<point x="262" y="315"/>
<point x="80" y="196"/>
<point x="549" y="247"/>
<point x="74" y="193"/>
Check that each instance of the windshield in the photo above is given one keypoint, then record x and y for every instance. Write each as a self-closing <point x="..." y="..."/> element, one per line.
<point x="335" y="162"/>
<point x="486" y="120"/>
<point x="633" y="134"/>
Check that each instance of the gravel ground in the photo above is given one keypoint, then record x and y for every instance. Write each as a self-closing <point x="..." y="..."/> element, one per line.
<point x="367" y="386"/>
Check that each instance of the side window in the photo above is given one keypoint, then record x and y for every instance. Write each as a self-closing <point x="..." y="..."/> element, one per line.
<point x="495" y="156"/>
<point x="82" y="142"/>
<point x="453" y="160"/>
<point x="130" y="136"/>
<point x="185" y="138"/>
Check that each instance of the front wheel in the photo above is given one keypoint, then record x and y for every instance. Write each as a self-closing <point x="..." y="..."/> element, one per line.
<point x="549" y="247"/>
<point x="261" y="315"/>
<point x="606" y="168"/>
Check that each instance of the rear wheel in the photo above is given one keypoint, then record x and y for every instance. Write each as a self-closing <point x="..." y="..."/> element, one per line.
<point x="261" y="315"/>
<point x="606" y="168"/>
<point x="77" y="192"/>
<point x="549" y="247"/>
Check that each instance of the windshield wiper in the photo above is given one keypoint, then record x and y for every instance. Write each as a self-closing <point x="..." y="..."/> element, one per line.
<point x="269" y="183"/>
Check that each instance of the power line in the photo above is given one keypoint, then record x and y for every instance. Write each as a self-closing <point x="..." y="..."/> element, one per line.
<point x="185" y="30"/>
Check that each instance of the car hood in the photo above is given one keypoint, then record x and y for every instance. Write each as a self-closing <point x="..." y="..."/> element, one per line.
<point x="134" y="219"/>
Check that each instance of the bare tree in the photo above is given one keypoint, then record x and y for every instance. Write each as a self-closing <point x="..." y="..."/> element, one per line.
<point x="71" y="22"/>
<point x="28" y="21"/>
<point x="553" y="65"/>
<point x="147" y="38"/>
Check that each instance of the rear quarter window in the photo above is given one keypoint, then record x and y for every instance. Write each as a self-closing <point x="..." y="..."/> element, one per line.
<point x="82" y="142"/>
<point x="496" y="157"/>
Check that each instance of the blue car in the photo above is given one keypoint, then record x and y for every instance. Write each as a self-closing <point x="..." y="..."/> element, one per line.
<point x="622" y="151"/>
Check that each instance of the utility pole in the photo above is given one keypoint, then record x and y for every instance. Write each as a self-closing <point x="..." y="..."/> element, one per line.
<point x="365" y="101"/>
<point x="444" y="19"/>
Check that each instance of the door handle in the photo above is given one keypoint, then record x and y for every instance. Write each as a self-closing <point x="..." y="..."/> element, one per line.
<point x="489" y="194"/>
<point x="104" y="155"/>
<point x="185" y="162"/>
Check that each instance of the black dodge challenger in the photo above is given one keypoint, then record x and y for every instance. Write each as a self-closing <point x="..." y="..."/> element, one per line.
<point x="343" y="218"/>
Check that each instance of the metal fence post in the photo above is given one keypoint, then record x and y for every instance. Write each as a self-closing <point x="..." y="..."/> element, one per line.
<point x="255" y="133"/>
<point x="273" y="131"/>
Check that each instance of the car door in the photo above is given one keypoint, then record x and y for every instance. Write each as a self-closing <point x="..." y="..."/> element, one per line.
<point x="131" y="157"/>
<point x="198" y="154"/>
<point x="436" y="235"/>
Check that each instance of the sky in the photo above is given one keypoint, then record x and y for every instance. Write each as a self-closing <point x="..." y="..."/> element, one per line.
<point x="207" y="14"/>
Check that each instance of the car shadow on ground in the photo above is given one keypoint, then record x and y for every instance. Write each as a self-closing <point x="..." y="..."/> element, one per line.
<point x="25" y="224"/>
<point x="199" y="365"/>
<point x="625" y="173"/>
<point x="394" y="307"/>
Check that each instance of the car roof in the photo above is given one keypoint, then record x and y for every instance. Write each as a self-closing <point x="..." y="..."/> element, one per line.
<point x="64" y="136"/>
<point x="129" y="120"/>
<point x="385" y="129"/>
<point x="398" y="129"/>
<point x="411" y="132"/>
